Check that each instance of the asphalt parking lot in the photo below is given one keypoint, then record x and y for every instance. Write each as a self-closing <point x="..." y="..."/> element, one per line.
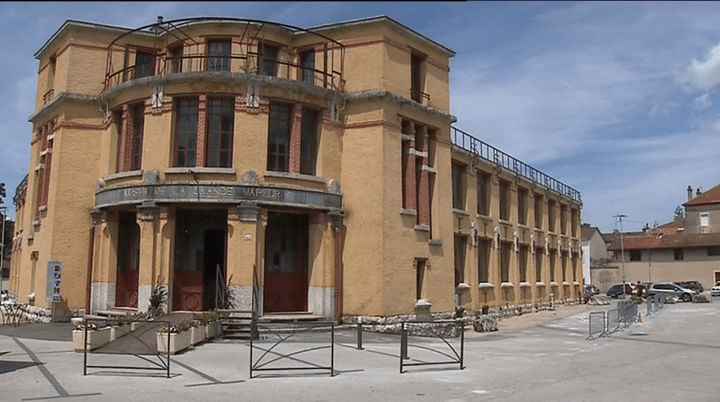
<point x="672" y="355"/>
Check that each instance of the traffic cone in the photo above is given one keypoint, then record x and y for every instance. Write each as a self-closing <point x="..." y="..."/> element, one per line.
<point x="639" y="318"/>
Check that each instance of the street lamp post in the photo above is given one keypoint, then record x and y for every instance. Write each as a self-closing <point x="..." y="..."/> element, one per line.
<point x="622" y="253"/>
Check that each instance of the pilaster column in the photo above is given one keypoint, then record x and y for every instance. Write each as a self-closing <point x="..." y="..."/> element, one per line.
<point x="410" y="183"/>
<point x="242" y="255"/>
<point x="202" y="128"/>
<point x="147" y="276"/>
<point x="423" y="206"/>
<point x="295" y="139"/>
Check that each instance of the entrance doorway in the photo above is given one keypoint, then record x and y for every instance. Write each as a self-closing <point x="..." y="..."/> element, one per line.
<point x="128" y="261"/>
<point x="199" y="259"/>
<point x="286" y="263"/>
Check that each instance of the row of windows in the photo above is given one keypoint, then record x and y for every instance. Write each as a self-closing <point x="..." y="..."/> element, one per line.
<point x="216" y="138"/>
<point x="678" y="253"/>
<point x="504" y="194"/>
<point x="219" y="56"/>
<point x="484" y="248"/>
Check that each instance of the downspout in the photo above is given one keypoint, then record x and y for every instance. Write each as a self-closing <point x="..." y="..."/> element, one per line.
<point x="88" y="287"/>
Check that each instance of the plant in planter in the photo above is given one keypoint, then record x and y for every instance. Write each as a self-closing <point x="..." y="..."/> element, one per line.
<point x="97" y="336"/>
<point x="174" y="337"/>
<point x="197" y="331"/>
<point x="210" y="320"/>
<point x="158" y="298"/>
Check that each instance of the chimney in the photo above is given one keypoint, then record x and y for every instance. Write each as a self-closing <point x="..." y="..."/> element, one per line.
<point x="689" y="190"/>
<point x="697" y="193"/>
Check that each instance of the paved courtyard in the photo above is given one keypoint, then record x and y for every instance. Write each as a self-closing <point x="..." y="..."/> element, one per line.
<point x="672" y="355"/>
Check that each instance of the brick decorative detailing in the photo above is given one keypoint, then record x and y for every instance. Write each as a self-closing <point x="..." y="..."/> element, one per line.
<point x="423" y="198"/>
<point x="200" y="152"/>
<point x="410" y="185"/>
<point x="295" y="134"/>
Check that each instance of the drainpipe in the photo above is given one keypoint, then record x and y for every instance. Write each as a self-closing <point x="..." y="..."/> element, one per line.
<point x="88" y="287"/>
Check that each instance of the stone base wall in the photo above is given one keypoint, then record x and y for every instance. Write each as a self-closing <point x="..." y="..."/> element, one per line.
<point x="393" y="324"/>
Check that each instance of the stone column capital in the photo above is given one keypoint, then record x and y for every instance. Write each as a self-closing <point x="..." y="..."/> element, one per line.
<point x="148" y="211"/>
<point x="248" y="211"/>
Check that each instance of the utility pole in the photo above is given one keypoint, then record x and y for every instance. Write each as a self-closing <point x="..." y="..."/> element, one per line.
<point x="622" y="252"/>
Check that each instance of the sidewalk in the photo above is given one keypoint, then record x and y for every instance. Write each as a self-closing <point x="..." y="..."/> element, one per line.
<point x="672" y="354"/>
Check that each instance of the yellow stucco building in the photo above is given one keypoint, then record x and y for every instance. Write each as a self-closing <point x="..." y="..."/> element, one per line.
<point x="316" y="169"/>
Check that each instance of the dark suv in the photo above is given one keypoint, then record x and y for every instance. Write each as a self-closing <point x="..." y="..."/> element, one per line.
<point x="616" y="290"/>
<point x="692" y="285"/>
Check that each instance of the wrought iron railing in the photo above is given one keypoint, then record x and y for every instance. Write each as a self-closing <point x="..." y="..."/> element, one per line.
<point x="486" y="151"/>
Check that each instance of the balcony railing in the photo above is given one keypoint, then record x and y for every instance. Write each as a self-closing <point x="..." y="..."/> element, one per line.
<point x="196" y="57"/>
<point x="236" y="63"/>
<point x="498" y="157"/>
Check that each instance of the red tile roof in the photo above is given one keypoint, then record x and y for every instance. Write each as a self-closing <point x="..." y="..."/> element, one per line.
<point x="669" y="235"/>
<point x="711" y="196"/>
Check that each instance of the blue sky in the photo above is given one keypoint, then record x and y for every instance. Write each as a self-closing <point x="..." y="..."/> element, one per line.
<point x="617" y="100"/>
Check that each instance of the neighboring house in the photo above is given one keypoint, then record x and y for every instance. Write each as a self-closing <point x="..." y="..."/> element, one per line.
<point x="594" y="250"/>
<point x="682" y="250"/>
<point x="311" y="170"/>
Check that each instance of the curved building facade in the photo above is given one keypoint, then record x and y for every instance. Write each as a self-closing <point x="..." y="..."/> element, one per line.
<point x="254" y="164"/>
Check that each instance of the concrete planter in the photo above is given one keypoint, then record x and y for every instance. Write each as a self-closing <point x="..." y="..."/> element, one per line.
<point x="211" y="330"/>
<point x="178" y="342"/>
<point x="96" y="338"/>
<point x="198" y="334"/>
<point x="119" y="331"/>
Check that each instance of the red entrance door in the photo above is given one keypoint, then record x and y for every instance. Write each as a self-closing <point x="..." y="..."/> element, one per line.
<point x="126" y="283"/>
<point x="286" y="263"/>
<point x="199" y="259"/>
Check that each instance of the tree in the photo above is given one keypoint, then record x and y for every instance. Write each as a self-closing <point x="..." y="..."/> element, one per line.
<point x="679" y="213"/>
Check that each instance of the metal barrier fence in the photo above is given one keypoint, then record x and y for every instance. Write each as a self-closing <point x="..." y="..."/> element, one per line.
<point x="596" y="327"/>
<point x="628" y="312"/>
<point x="452" y="354"/>
<point x="605" y="323"/>
<point x="159" y="364"/>
<point x="613" y="321"/>
<point x="285" y="346"/>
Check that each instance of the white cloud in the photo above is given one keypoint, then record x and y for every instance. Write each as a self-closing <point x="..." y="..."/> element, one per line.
<point x="702" y="102"/>
<point x="703" y="75"/>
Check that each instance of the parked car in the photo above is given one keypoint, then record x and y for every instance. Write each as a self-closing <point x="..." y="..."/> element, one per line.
<point x="692" y="285"/>
<point x="616" y="290"/>
<point x="715" y="290"/>
<point x="672" y="289"/>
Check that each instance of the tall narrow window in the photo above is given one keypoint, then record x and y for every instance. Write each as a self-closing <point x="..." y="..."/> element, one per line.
<point x="219" y="55"/>
<point x="136" y="136"/>
<point x="416" y="77"/>
<point x="574" y="216"/>
<point x="563" y="266"/>
<point x="551" y="216"/>
<point x="504" y="200"/>
<point x="457" y="186"/>
<point x="221" y="120"/>
<point x="539" y="252"/>
<point x="538" y="211"/>
<point x="553" y="254"/>
<point x="308" y="141"/>
<point x="505" y="261"/>
<point x="419" y="277"/>
<point x="307" y="62"/>
<point x="279" y="138"/>
<point x="176" y="59"/>
<point x="522" y="206"/>
<point x="128" y="257"/>
<point x="574" y="267"/>
<point x="186" y="123"/>
<point x="523" y="262"/>
<point x="144" y="64"/>
<point x="483" y="194"/>
<point x="563" y="219"/>
<point x="460" y="242"/>
<point x="267" y="60"/>
<point x="483" y="253"/>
